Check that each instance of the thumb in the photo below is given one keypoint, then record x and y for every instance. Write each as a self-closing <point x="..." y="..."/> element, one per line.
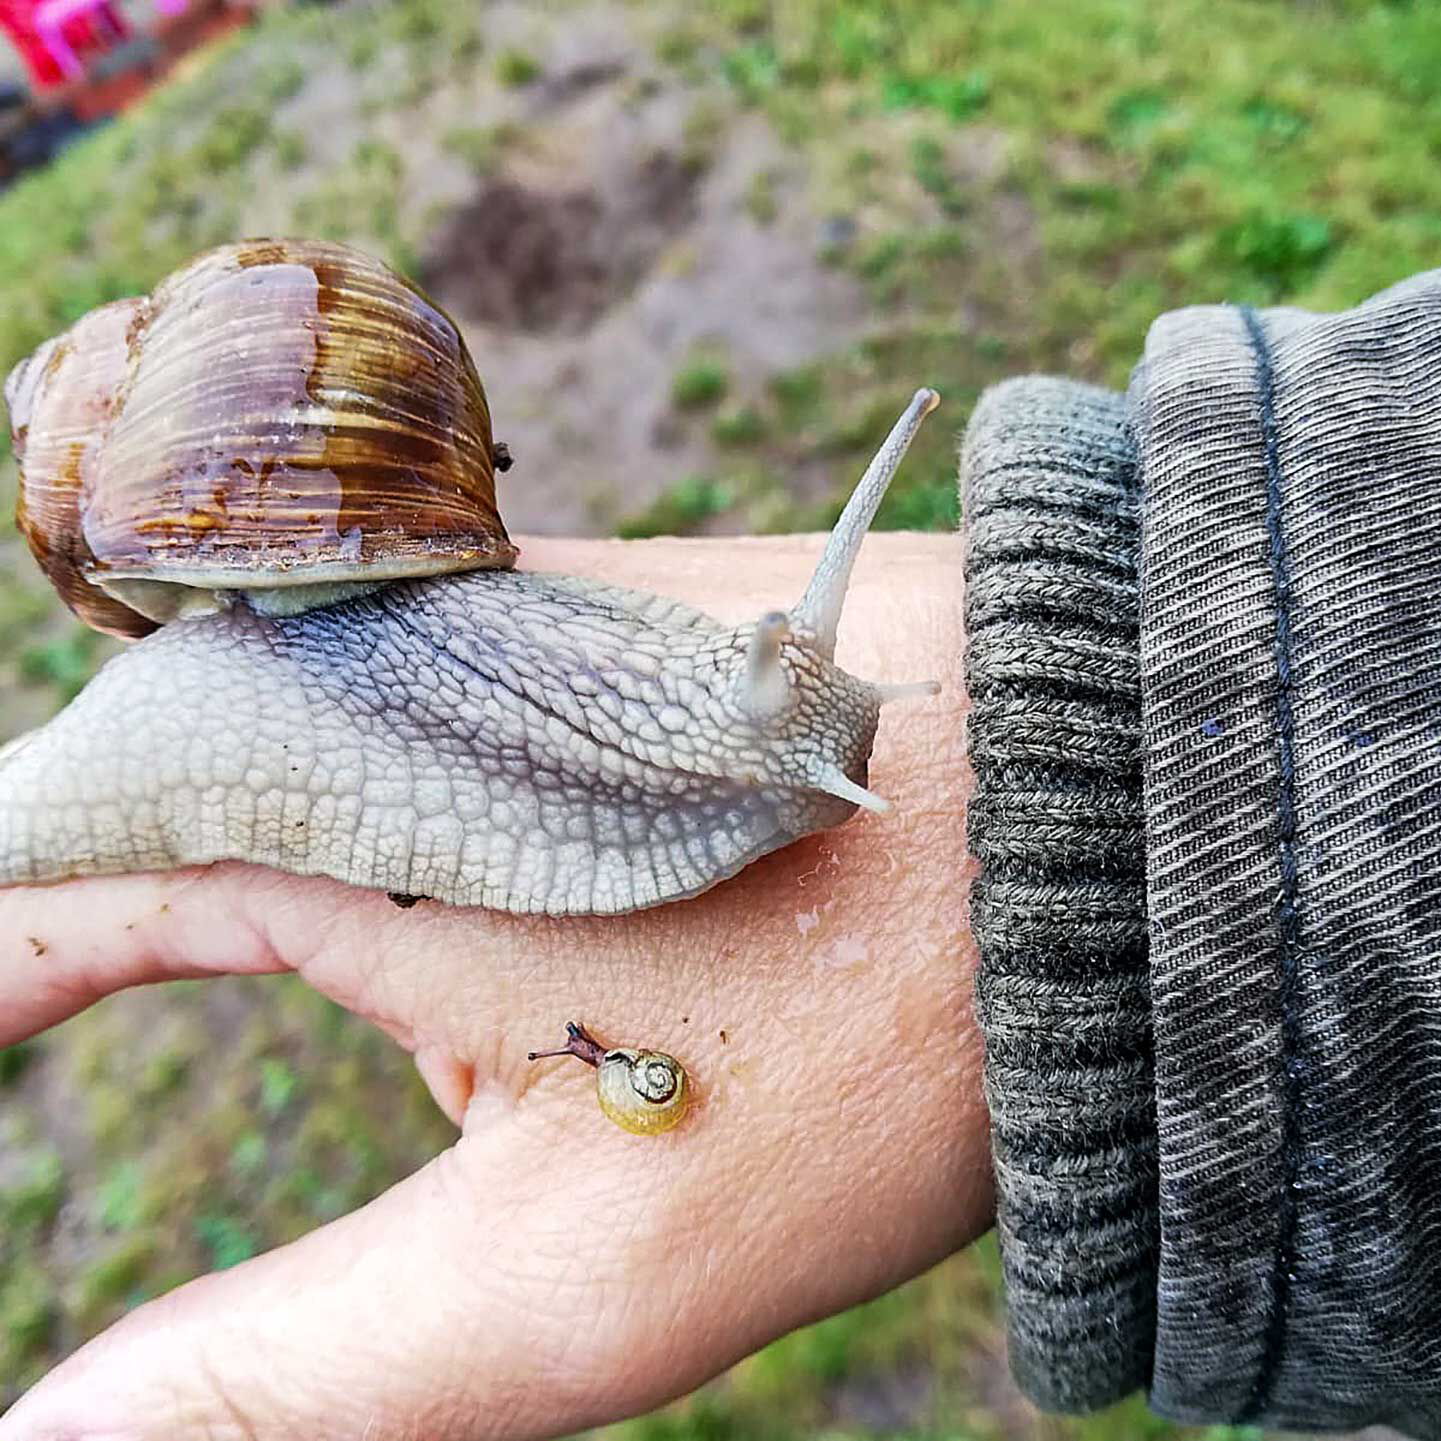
<point x="479" y="1298"/>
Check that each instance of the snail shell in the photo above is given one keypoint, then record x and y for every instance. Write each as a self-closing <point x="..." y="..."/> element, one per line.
<point x="643" y="1092"/>
<point x="288" y="418"/>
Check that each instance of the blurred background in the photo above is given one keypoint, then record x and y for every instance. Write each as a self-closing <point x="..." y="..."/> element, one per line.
<point x="703" y="253"/>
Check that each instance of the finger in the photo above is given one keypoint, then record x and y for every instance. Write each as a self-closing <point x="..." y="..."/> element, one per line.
<point x="418" y="1316"/>
<point x="450" y="1080"/>
<point x="514" y="1288"/>
<point x="63" y="947"/>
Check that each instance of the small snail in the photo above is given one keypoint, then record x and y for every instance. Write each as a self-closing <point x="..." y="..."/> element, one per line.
<point x="277" y="472"/>
<point x="643" y="1092"/>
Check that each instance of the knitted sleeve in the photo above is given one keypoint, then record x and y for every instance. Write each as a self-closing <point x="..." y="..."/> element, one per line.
<point x="1059" y="912"/>
<point x="1208" y="813"/>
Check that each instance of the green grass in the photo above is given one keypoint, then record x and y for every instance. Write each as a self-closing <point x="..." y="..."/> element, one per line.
<point x="516" y="67"/>
<point x="681" y="509"/>
<point x="1026" y="190"/>
<point x="291" y="150"/>
<point x="957" y="97"/>
<point x="29" y="1302"/>
<point x="1145" y="157"/>
<point x="700" y="383"/>
<point x="481" y="147"/>
<point x="65" y="663"/>
<point x="742" y="426"/>
<point x="760" y="198"/>
<point x="116" y="1280"/>
<point x="14" y="1062"/>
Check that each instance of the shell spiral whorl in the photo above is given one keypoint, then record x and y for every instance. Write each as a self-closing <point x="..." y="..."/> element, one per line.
<point x="643" y="1092"/>
<point x="276" y="414"/>
<point x="653" y="1079"/>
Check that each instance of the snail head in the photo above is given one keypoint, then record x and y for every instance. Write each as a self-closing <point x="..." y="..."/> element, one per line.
<point x="785" y="681"/>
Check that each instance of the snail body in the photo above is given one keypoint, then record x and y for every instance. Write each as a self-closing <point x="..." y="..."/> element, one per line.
<point x="368" y="691"/>
<point x="643" y="1092"/>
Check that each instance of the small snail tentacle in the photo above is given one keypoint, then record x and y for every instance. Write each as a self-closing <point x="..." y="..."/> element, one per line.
<point x="764" y="689"/>
<point x="580" y="1043"/>
<point x="643" y="1092"/>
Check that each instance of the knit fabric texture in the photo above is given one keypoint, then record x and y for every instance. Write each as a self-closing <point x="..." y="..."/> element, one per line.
<point x="1059" y="913"/>
<point x="1291" y="675"/>
<point x="1273" y="1091"/>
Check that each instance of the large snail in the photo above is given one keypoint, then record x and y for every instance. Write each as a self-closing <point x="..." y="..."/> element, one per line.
<point x="278" y="468"/>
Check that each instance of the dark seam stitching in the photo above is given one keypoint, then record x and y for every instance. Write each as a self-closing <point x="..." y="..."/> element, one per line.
<point x="1288" y="980"/>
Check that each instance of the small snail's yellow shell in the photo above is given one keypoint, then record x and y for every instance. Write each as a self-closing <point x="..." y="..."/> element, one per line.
<point x="276" y="415"/>
<point x="643" y="1092"/>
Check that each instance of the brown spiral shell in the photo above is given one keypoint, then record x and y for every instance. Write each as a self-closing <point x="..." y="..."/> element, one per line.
<point x="59" y="402"/>
<point x="276" y="413"/>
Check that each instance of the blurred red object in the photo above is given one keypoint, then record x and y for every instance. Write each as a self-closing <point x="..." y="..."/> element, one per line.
<point x="19" y="19"/>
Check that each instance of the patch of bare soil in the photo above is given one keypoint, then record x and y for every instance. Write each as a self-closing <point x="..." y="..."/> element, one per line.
<point x="581" y="302"/>
<point x="555" y="260"/>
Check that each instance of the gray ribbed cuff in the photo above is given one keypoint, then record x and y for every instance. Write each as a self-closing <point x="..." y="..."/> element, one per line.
<point x="1059" y="913"/>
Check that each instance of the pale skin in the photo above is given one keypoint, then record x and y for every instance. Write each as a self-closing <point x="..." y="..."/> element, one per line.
<point x="549" y="1272"/>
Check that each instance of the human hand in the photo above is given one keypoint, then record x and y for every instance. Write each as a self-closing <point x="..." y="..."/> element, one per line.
<point x="549" y="1272"/>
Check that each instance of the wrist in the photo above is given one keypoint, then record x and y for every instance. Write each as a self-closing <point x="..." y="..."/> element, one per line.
<point x="839" y="968"/>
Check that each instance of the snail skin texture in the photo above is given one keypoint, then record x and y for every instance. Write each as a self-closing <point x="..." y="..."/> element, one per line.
<point x="278" y="470"/>
<point x="643" y="1092"/>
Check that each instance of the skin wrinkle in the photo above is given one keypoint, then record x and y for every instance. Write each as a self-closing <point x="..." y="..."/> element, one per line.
<point x="240" y="1425"/>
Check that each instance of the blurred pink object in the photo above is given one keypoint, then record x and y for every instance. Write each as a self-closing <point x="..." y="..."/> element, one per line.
<point x="52" y="17"/>
<point x="20" y="20"/>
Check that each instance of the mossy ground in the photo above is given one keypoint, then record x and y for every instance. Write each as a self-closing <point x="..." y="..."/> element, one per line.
<point x="1006" y="186"/>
